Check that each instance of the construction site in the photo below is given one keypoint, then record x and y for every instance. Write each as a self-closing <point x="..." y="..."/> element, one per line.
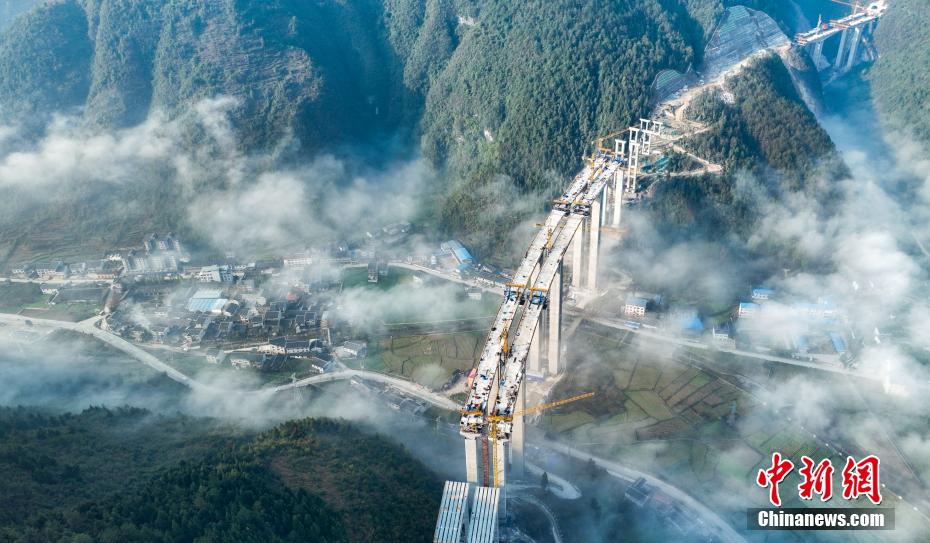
<point x="561" y="261"/>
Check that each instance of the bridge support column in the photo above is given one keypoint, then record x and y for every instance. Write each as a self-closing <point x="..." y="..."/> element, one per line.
<point x="555" y="323"/>
<point x="604" y="201"/>
<point x="818" y="53"/>
<point x="854" y="48"/>
<point x="838" y="63"/>
<point x="617" y="198"/>
<point x="471" y="461"/>
<point x="517" y="459"/>
<point x="577" y="251"/>
<point x="498" y="462"/>
<point x="593" y="243"/>
<point x="535" y="358"/>
<point x="499" y="473"/>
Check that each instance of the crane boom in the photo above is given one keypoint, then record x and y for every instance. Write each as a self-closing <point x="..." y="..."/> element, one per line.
<point x="494" y="419"/>
<point x="538" y="408"/>
<point x="856" y="6"/>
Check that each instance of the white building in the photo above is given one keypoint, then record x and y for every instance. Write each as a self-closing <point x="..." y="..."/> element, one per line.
<point x="298" y="260"/>
<point x="215" y="274"/>
<point x="635" y="307"/>
<point x="722" y="336"/>
<point x="747" y="310"/>
<point x="48" y="289"/>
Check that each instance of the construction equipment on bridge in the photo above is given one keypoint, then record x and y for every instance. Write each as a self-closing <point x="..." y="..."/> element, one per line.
<point x="505" y="344"/>
<point x="539" y="297"/>
<point x="599" y="142"/>
<point x="549" y="239"/>
<point x="494" y="419"/>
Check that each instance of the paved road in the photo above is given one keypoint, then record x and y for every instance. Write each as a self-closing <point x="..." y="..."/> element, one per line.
<point x="619" y="325"/>
<point x="70" y="280"/>
<point x="553" y="523"/>
<point x="499" y="290"/>
<point x="89" y="327"/>
<point x="408" y="387"/>
<point x="716" y="523"/>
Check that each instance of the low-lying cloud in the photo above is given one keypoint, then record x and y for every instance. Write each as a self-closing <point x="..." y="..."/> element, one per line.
<point x="236" y="200"/>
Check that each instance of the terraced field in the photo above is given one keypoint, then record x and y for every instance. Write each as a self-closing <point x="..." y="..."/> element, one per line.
<point x="663" y="413"/>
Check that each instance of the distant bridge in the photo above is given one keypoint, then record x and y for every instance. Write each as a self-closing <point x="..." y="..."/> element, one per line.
<point x="853" y="30"/>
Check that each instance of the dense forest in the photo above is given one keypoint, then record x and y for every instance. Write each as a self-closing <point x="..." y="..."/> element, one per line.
<point x="900" y="78"/>
<point x="501" y="96"/>
<point x="770" y="145"/>
<point x="113" y="475"/>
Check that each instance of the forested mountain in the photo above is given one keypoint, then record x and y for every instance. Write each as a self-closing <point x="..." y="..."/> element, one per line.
<point x="499" y="96"/>
<point x="764" y="135"/>
<point x="127" y="475"/>
<point x="10" y="9"/>
<point x="900" y="77"/>
<point x="321" y="70"/>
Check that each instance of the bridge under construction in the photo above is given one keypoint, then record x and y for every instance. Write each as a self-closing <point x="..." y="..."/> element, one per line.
<point x="526" y="333"/>
<point x="854" y="31"/>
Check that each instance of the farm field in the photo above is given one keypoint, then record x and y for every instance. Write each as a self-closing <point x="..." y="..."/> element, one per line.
<point x="661" y="412"/>
<point x="429" y="360"/>
<point x="14" y="297"/>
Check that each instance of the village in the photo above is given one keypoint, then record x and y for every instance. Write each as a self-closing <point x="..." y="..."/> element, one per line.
<point x="273" y="316"/>
<point x="282" y="314"/>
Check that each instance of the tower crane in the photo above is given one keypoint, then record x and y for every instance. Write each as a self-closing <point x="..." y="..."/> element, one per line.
<point x="494" y="419"/>
<point x="855" y="5"/>
<point x="599" y="142"/>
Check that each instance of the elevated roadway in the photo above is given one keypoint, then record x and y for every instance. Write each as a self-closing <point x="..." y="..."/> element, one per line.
<point x="501" y="367"/>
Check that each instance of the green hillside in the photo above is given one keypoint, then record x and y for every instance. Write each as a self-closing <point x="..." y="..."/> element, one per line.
<point x="127" y="475"/>
<point x="766" y="135"/>
<point x="501" y="97"/>
<point x="900" y="77"/>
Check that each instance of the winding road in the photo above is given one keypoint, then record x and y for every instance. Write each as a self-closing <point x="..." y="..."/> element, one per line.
<point x="619" y="325"/>
<point x="716" y="523"/>
<point x="89" y="327"/>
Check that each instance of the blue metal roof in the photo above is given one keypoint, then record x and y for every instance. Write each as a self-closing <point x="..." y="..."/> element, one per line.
<point x="206" y="305"/>
<point x="691" y="323"/>
<point x="462" y="254"/>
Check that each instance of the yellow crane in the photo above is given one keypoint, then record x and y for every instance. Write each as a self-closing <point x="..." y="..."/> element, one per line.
<point x="549" y="239"/>
<point x="494" y="419"/>
<point x="505" y="343"/>
<point x="855" y="5"/>
<point x="599" y="142"/>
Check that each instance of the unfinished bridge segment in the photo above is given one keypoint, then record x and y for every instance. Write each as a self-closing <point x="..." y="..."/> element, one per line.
<point x="854" y="31"/>
<point x="525" y="337"/>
